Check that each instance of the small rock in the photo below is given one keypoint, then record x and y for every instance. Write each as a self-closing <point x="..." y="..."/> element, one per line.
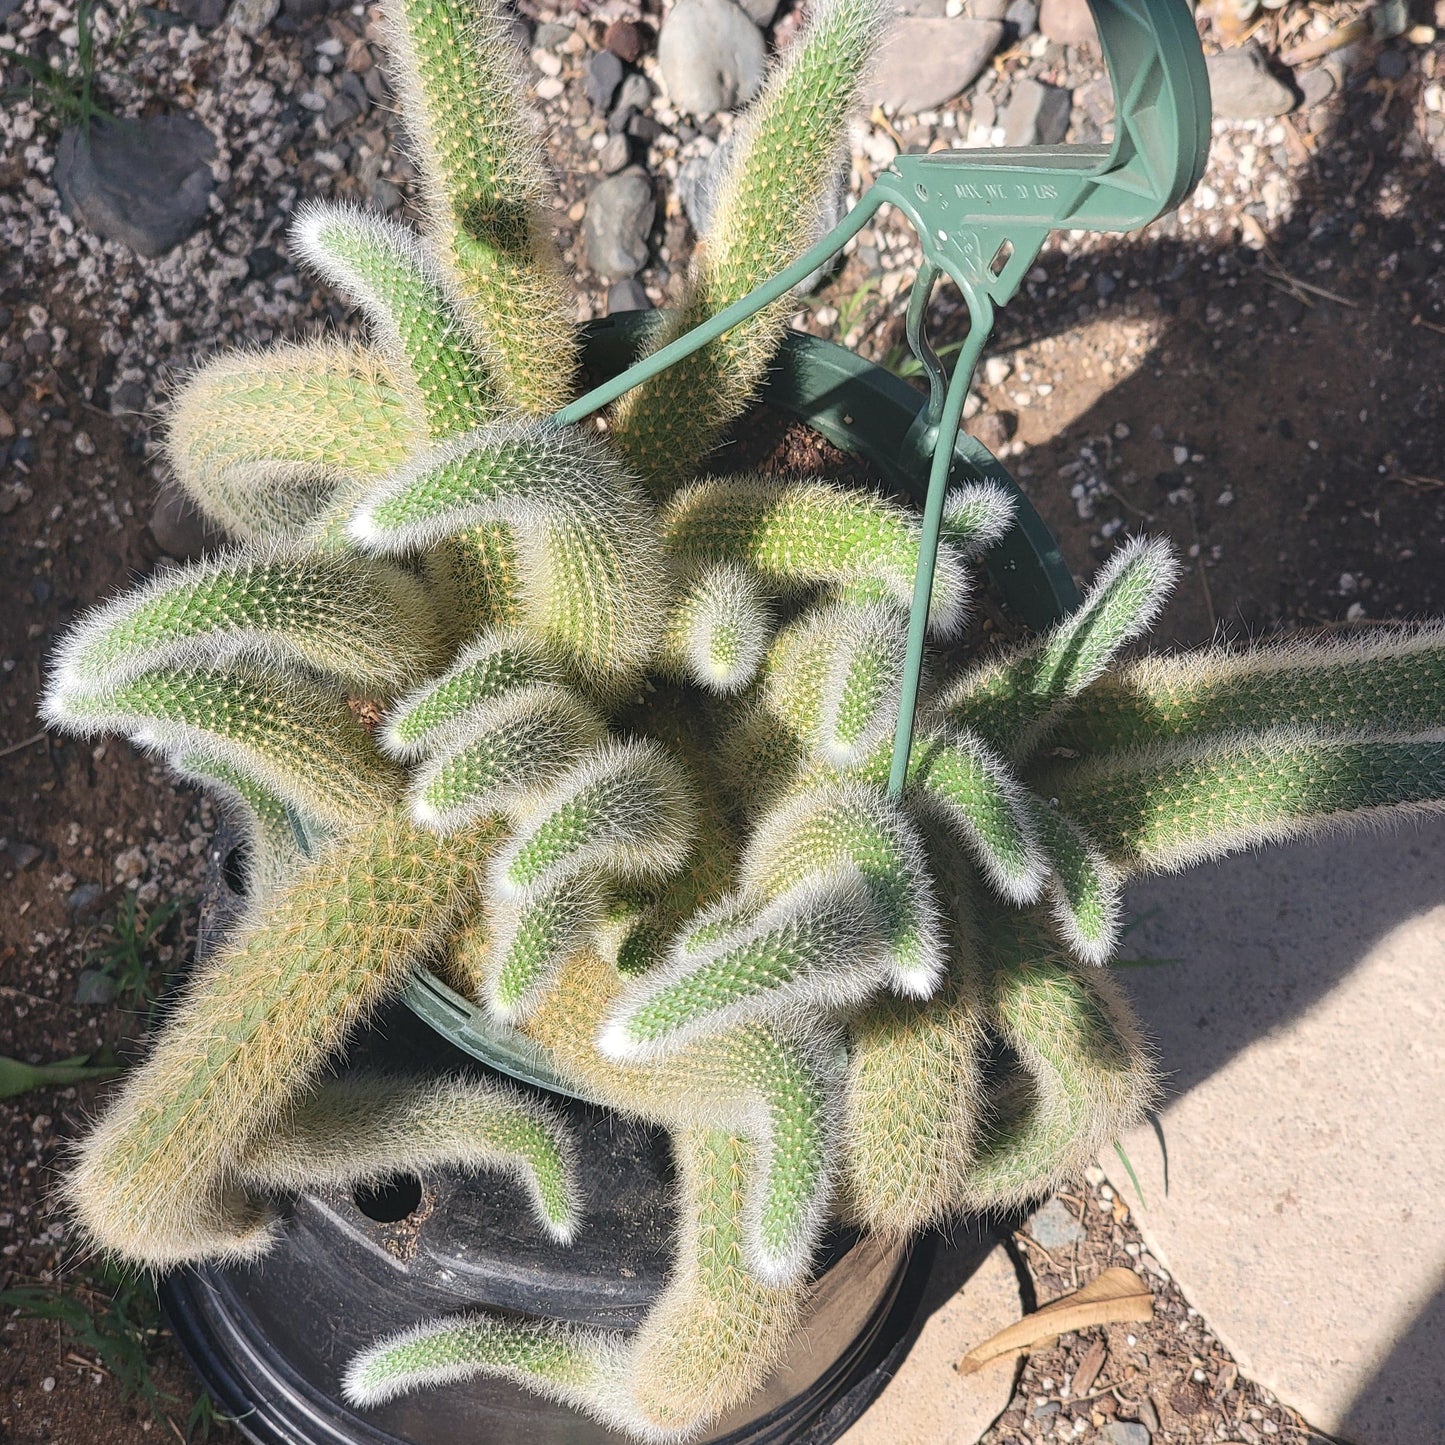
<point x="1243" y="86"/>
<point x="627" y="295"/>
<point x="1055" y="1228"/>
<point x="264" y="261"/>
<point x="996" y="370"/>
<point x="644" y="128"/>
<point x="760" y="12"/>
<point x="615" y="155"/>
<point x="94" y="988"/>
<point x="84" y="898"/>
<point x="992" y="429"/>
<point x="936" y="9"/>
<point x="1127" y="1432"/>
<point x="620" y="213"/>
<point x="203" y="14"/>
<point x="1068" y="22"/>
<point x="180" y="531"/>
<point x="552" y="36"/>
<point x="626" y="39"/>
<point x="1023" y="15"/>
<point x="1391" y="65"/>
<point x="635" y="93"/>
<point x="926" y="62"/>
<point x="129" y="865"/>
<point x="1037" y="114"/>
<point x="1315" y="86"/>
<point x="604" y="75"/>
<point x="697" y="182"/>
<point x="146" y="183"/>
<point x="23" y="855"/>
<point x="711" y="55"/>
<point x="251" y="17"/>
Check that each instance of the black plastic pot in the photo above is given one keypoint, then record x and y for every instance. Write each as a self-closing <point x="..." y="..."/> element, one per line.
<point x="270" y="1340"/>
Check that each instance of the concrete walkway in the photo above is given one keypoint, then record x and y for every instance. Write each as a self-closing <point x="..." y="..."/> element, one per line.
<point x="1305" y="1036"/>
<point x="928" y="1400"/>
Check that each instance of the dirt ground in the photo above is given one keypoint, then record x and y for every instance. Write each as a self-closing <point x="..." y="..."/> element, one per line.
<point x="1273" y="400"/>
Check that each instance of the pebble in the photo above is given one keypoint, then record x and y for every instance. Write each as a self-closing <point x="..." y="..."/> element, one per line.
<point x="615" y="155"/>
<point x="626" y="39"/>
<point x="23" y="855"/>
<point x="711" y="55"/>
<point x="1391" y="65"/>
<point x="996" y="370"/>
<point x="1055" y="1228"/>
<point x="635" y="93"/>
<point x="146" y="184"/>
<point x="627" y="295"/>
<point x="251" y="17"/>
<point x="620" y="213"/>
<point x="604" y="75"/>
<point x="1068" y="22"/>
<point x="1316" y="86"/>
<point x="94" y="988"/>
<point x="1243" y="86"/>
<point x="760" y="12"/>
<point x="925" y="62"/>
<point x="179" y="529"/>
<point x="1023" y="15"/>
<point x="551" y="36"/>
<point x="992" y="429"/>
<point x="1037" y="114"/>
<point x="83" y="898"/>
<point x="1127" y="1432"/>
<point x="697" y="183"/>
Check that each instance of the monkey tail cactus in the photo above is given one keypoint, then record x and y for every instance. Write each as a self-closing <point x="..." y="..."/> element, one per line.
<point x="612" y="740"/>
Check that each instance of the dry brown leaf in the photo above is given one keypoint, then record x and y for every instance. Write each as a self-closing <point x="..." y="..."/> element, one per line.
<point x="1115" y="1297"/>
<point x="1089" y="1368"/>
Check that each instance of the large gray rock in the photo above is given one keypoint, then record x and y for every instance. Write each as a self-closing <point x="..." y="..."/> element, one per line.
<point x="620" y="213"/>
<point x="1068" y="22"/>
<point x="926" y="62"/>
<point x="179" y="530"/>
<point x="144" y="183"/>
<point x="1300" y="1034"/>
<point x="1243" y="86"/>
<point x="1036" y="114"/>
<point x="711" y="55"/>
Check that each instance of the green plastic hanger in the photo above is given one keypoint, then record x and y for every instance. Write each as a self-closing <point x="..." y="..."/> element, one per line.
<point x="982" y="217"/>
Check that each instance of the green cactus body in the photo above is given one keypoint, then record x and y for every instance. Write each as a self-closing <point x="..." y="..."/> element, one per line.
<point x="1163" y="808"/>
<point x="157" y="1179"/>
<point x="1086" y="1075"/>
<point x="260" y="443"/>
<point x="510" y="752"/>
<point x="593" y="578"/>
<point x="458" y="75"/>
<point x="631" y="781"/>
<point x="768" y="212"/>
<point x="296" y="737"/>
<point x="802" y="535"/>
<point x="382" y="268"/>
<point x="1012" y="702"/>
<point x="1384" y="682"/>
<point x="367" y="624"/>
<point x="366" y="1126"/>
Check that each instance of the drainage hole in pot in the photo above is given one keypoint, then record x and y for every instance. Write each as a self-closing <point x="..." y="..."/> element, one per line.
<point x="234" y="868"/>
<point x="389" y="1200"/>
